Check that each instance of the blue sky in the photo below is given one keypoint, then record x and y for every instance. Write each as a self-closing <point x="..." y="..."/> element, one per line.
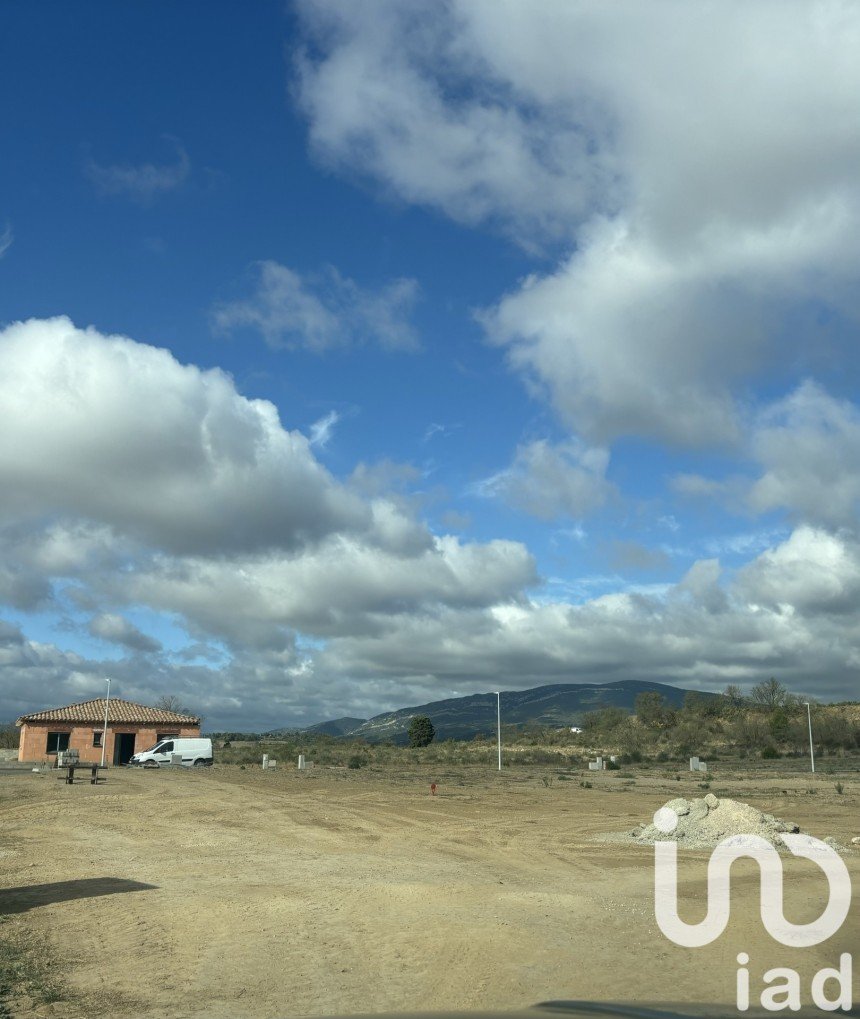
<point x="358" y="354"/>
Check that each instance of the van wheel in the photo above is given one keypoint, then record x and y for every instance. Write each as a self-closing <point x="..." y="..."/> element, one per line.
<point x="150" y="764"/>
<point x="199" y="763"/>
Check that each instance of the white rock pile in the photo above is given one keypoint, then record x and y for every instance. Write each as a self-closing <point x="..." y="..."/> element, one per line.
<point x="702" y="823"/>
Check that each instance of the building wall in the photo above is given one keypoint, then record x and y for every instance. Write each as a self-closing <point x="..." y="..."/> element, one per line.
<point x="34" y="736"/>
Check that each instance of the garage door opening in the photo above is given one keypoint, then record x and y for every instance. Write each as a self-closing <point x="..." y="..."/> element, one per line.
<point x="123" y="748"/>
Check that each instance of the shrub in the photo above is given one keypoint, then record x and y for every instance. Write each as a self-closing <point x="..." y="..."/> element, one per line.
<point x="839" y="787"/>
<point x="421" y="731"/>
<point x="355" y="762"/>
<point x="586" y="785"/>
<point x="769" y="753"/>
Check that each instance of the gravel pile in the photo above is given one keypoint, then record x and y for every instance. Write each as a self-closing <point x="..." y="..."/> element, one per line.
<point x="702" y="823"/>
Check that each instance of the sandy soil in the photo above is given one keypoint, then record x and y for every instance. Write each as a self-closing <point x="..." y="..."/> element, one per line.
<point x="225" y="892"/>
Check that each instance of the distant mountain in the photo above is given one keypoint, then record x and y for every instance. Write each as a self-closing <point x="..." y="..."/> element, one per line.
<point x="336" y="727"/>
<point x="464" y="717"/>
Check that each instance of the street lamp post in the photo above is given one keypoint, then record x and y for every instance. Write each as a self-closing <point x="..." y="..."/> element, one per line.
<point x="104" y="730"/>
<point x="499" y="724"/>
<point x="811" y="748"/>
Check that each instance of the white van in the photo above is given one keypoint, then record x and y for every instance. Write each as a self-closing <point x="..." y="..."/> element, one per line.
<point x="194" y="752"/>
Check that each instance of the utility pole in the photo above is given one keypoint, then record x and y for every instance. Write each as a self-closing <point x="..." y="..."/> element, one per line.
<point x="811" y="748"/>
<point x="499" y="724"/>
<point x="104" y="731"/>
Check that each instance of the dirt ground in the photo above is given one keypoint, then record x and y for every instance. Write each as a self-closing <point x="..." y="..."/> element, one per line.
<point x="226" y="892"/>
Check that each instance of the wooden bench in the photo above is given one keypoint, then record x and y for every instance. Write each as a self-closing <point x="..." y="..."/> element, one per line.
<point x="70" y="770"/>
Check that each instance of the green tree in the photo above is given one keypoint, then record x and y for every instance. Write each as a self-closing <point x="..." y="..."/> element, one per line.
<point x="421" y="731"/>
<point x="650" y="708"/>
<point x="779" y="725"/>
<point x="611" y="718"/>
<point x="698" y="705"/>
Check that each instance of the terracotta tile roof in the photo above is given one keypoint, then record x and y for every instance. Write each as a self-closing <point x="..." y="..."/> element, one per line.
<point x="118" y="711"/>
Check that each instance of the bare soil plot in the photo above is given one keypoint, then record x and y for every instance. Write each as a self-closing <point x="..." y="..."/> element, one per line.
<point x="231" y="892"/>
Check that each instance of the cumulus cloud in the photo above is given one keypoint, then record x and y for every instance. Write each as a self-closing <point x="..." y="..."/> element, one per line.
<point x="340" y="587"/>
<point x="383" y="477"/>
<point x="812" y="572"/>
<point x="790" y="613"/>
<point x="396" y="97"/>
<point x="705" y="631"/>
<point x="141" y="182"/>
<point x="119" y="630"/>
<point x="210" y="470"/>
<point x="693" y="159"/>
<point x="250" y="690"/>
<point x="109" y="505"/>
<point x="808" y="445"/>
<point x="551" y="481"/>
<point x="322" y="311"/>
<point x="627" y="342"/>
<point x="207" y="508"/>
<point x="805" y="449"/>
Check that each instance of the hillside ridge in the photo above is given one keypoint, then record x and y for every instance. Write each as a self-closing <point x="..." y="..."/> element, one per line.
<point x="555" y="704"/>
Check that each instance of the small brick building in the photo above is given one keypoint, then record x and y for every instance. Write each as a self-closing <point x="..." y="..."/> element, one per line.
<point x="131" y="728"/>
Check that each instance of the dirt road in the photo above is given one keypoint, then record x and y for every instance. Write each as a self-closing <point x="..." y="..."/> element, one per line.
<point x="227" y="892"/>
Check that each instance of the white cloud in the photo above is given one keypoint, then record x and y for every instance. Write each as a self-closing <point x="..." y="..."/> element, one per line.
<point x="565" y="480"/>
<point x="118" y="630"/>
<point x="811" y="572"/>
<point x="109" y="506"/>
<point x="806" y="449"/>
<point x="787" y="615"/>
<point x="210" y="470"/>
<point x="323" y="311"/>
<point x="388" y="641"/>
<point x="141" y="182"/>
<point x="383" y="478"/>
<point x="323" y="429"/>
<point x="341" y="587"/>
<point x="695" y="160"/>
<point x="6" y="238"/>
<point x="473" y="144"/>
<point x="627" y="342"/>
<point x="809" y="447"/>
<point x="207" y="508"/>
